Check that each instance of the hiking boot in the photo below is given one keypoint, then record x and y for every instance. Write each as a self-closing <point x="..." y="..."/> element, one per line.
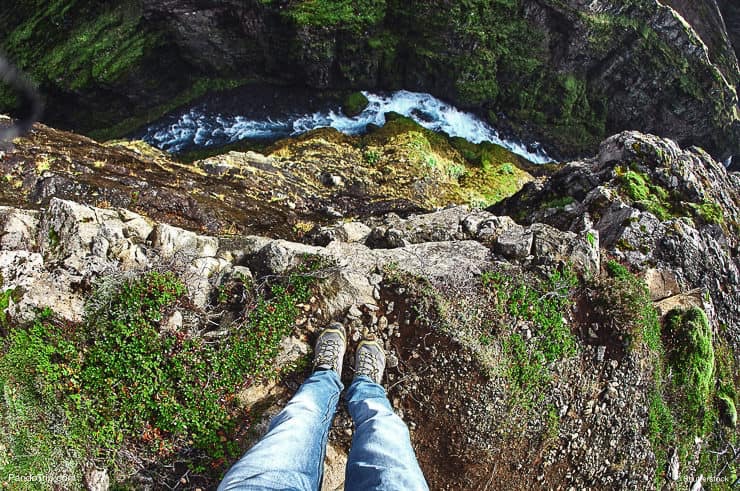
<point x="330" y="347"/>
<point x="370" y="360"/>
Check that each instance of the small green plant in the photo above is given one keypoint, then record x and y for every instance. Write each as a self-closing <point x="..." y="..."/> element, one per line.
<point x="53" y="238"/>
<point x="507" y="168"/>
<point x="121" y="379"/>
<point x="616" y="270"/>
<point x="591" y="238"/>
<point x="542" y="305"/>
<point x="456" y="171"/>
<point x="371" y="156"/>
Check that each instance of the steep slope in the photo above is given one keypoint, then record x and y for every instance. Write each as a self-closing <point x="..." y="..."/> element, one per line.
<point x="522" y="354"/>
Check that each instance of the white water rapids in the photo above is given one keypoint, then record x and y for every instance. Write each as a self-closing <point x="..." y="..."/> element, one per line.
<point x="198" y="127"/>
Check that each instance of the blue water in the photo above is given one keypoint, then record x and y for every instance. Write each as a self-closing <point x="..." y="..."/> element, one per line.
<point x="204" y="126"/>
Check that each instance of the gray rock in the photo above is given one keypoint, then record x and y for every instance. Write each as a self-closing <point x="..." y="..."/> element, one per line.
<point x="514" y="243"/>
<point x="280" y="256"/>
<point x="97" y="479"/>
<point x="18" y="229"/>
<point x="169" y="240"/>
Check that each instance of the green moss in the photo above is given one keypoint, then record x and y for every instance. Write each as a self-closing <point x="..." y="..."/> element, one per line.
<point x="544" y="305"/>
<point x="354" y="104"/>
<point x="650" y="197"/>
<point x="354" y="15"/>
<point x="728" y="410"/>
<point x="97" y="49"/>
<point x="5" y="297"/>
<point x="708" y="211"/>
<point x="558" y="202"/>
<point x="691" y="357"/>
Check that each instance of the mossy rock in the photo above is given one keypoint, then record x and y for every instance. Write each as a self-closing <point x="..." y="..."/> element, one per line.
<point x="354" y="104"/>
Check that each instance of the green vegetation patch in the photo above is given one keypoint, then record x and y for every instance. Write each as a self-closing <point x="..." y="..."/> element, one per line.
<point x="709" y="212"/>
<point x="354" y="15"/>
<point x="691" y="357"/>
<point x="120" y="379"/>
<point x="650" y="197"/>
<point x="99" y="49"/>
<point x="543" y="306"/>
<point x="694" y="384"/>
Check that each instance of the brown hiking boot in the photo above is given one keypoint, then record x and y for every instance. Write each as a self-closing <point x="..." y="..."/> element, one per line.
<point x="330" y="347"/>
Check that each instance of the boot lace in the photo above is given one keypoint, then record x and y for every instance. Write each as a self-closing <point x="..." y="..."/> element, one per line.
<point x="367" y="365"/>
<point x="328" y="354"/>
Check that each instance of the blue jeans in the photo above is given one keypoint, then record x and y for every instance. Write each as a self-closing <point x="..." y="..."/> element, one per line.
<point x="291" y="455"/>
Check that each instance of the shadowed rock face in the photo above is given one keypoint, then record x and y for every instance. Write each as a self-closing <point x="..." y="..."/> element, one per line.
<point x="731" y="13"/>
<point x="568" y="73"/>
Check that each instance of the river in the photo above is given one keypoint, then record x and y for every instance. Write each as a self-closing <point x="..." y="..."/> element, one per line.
<point x="268" y="113"/>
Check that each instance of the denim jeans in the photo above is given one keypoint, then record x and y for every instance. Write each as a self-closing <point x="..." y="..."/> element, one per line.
<point x="291" y="455"/>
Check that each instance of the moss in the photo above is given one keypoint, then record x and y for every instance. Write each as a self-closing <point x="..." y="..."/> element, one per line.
<point x="692" y="356"/>
<point x="728" y="410"/>
<point x="354" y="104"/>
<point x="637" y="186"/>
<point x="559" y="202"/>
<point x="353" y="15"/>
<point x="709" y="212"/>
<point x="97" y="49"/>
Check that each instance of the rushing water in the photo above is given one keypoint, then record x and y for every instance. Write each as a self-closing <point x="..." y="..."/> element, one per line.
<point x="204" y="126"/>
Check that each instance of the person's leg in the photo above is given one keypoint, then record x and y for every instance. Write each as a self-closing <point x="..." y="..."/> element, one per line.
<point x="291" y="454"/>
<point x="381" y="456"/>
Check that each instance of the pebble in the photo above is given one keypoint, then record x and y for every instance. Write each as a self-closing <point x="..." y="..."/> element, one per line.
<point x="391" y="306"/>
<point x="354" y="312"/>
<point x="376" y="293"/>
<point x="375" y="278"/>
<point x="382" y="322"/>
<point x="391" y="361"/>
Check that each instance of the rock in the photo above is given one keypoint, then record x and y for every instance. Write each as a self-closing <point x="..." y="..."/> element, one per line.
<point x="354" y="312"/>
<point x="335" y="464"/>
<point x="331" y="180"/>
<point x="173" y="323"/>
<point x="97" y="479"/>
<point x="291" y="350"/>
<point x="661" y="283"/>
<point x="171" y="240"/>
<point x="494" y="228"/>
<point x="18" y="229"/>
<point x="280" y="256"/>
<point x="673" y="465"/>
<point x="550" y="244"/>
<point x="514" y="243"/>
